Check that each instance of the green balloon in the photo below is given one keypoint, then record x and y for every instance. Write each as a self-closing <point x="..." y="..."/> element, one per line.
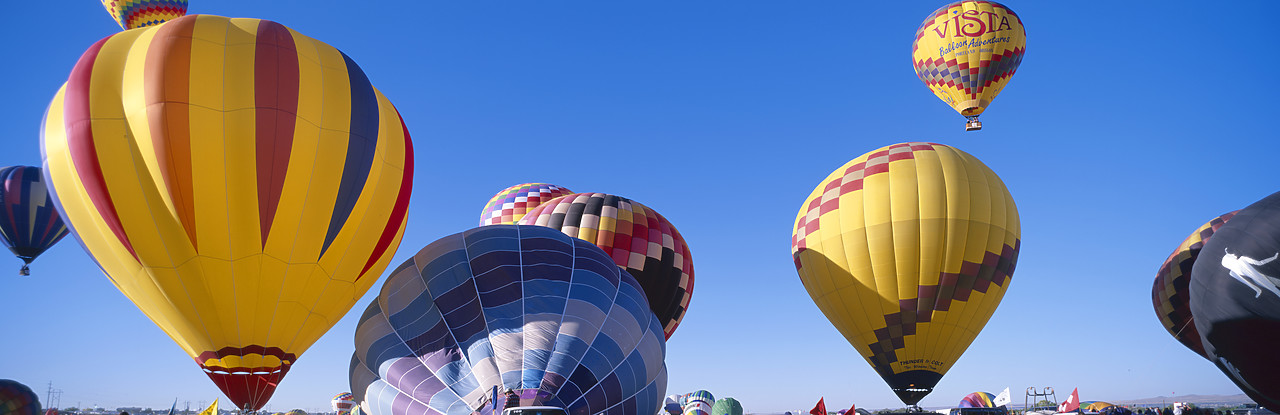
<point x="726" y="406"/>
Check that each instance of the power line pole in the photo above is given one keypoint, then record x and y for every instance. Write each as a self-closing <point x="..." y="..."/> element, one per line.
<point x="53" y="397"/>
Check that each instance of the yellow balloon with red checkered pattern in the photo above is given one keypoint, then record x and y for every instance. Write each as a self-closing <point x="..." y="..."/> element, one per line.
<point x="966" y="52"/>
<point x="908" y="250"/>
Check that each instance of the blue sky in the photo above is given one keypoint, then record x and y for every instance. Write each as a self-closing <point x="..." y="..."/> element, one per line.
<point x="1126" y="127"/>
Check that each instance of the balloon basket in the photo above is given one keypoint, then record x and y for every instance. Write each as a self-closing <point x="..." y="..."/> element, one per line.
<point x="973" y="124"/>
<point x="24" y="271"/>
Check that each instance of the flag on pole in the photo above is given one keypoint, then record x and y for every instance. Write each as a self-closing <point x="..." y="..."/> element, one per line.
<point x="1003" y="398"/>
<point x="1072" y="404"/>
<point x="175" y="406"/>
<point x="819" y="409"/>
<point x="853" y="410"/>
<point x="211" y="410"/>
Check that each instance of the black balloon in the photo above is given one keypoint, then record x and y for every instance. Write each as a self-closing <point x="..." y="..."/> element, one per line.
<point x="1235" y="300"/>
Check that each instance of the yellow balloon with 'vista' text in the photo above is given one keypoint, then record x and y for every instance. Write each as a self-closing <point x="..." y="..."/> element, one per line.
<point x="966" y="52"/>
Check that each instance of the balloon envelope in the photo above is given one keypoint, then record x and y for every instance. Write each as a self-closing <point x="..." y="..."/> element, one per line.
<point x="132" y="14"/>
<point x="343" y="402"/>
<point x="638" y="239"/>
<point x="522" y="308"/>
<point x="726" y="406"/>
<point x="242" y="167"/>
<point x="967" y="51"/>
<point x="672" y="405"/>
<point x="700" y="396"/>
<point x="1170" y="292"/>
<point x="29" y="223"/>
<point x="17" y="399"/>
<point x="1098" y="406"/>
<point x="978" y="400"/>
<point x="512" y="203"/>
<point x="1235" y="301"/>
<point x="908" y="250"/>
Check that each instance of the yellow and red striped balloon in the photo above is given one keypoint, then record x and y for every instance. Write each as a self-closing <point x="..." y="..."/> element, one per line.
<point x="132" y="14"/>
<point x="244" y="185"/>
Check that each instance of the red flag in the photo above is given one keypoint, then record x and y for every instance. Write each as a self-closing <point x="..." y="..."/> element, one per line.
<point x="1072" y="404"/>
<point x="819" y="409"/>
<point x="853" y="410"/>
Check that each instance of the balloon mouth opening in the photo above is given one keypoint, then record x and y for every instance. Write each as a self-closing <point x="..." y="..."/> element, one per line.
<point x="249" y="389"/>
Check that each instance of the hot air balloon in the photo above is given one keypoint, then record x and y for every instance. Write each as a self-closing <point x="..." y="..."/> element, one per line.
<point x="512" y="203"/>
<point x="966" y="52"/>
<point x="637" y="238"/>
<point x="907" y="250"/>
<point x="1171" y="294"/>
<point x="524" y="309"/>
<point x="978" y="400"/>
<point x="1235" y="301"/>
<point x="343" y="403"/>
<point x="17" y="399"/>
<point x="699" y="402"/>
<point x="296" y="412"/>
<point x="132" y="14"/>
<point x="700" y="396"/>
<point x="249" y="170"/>
<point x="672" y="405"/>
<point x="29" y="224"/>
<point x="726" y="406"/>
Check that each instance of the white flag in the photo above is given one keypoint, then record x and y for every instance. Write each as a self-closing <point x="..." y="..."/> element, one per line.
<point x="1002" y="399"/>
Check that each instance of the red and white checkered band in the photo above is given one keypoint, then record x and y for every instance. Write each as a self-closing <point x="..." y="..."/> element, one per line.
<point x="877" y="162"/>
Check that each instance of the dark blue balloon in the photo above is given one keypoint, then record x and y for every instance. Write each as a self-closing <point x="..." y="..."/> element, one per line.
<point x="29" y="223"/>
<point x="546" y="318"/>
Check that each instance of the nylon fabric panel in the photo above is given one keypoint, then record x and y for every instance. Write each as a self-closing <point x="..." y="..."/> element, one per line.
<point x="907" y="250"/>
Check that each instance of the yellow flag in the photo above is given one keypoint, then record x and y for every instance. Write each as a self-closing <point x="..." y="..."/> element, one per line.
<point x="211" y="410"/>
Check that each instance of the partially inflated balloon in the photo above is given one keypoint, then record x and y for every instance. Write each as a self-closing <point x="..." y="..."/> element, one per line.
<point x="978" y="400"/>
<point x="672" y="405"/>
<point x="1235" y="300"/>
<point x="520" y="308"/>
<point x="908" y="250"/>
<point x="726" y="406"/>
<point x="699" y="402"/>
<point x="17" y="399"/>
<point x="1170" y="292"/>
<point x="966" y="52"/>
<point x="700" y="396"/>
<point x="343" y="403"/>
<point x="512" y="203"/>
<point x="296" y="412"/>
<point x="637" y="238"/>
<point x="29" y="223"/>
<point x="132" y="14"/>
<point x="248" y="170"/>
